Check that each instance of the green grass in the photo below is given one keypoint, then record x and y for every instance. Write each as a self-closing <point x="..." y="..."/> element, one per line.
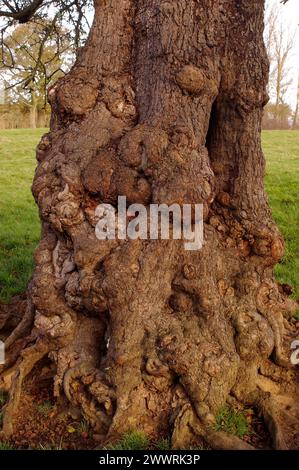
<point x="163" y="444"/>
<point x="44" y="408"/>
<point x="281" y="149"/>
<point x="83" y="427"/>
<point x="137" y="440"/>
<point x="52" y="446"/>
<point x="231" y="421"/>
<point x="3" y="398"/>
<point x="6" y="446"/>
<point x="19" y="224"/>
<point x="134" y="440"/>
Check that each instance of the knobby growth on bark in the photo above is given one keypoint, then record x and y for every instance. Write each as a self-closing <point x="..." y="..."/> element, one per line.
<point x="163" y="105"/>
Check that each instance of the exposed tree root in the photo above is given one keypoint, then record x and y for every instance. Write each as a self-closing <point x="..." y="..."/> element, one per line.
<point x="11" y="314"/>
<point x="270" y="415"/>
<point x="12" y="360"/>
<point x="219" y="440"/>
<point x="95" y="399"/>
<point x="84" y="368"/>
<point x="23" y="327"/>
<point x="6" y="377"/>
<point x="13" y="354"/>
<point x="29" y="357"/>
<point x="188" y="427"/>
<point x="281" y="415"/>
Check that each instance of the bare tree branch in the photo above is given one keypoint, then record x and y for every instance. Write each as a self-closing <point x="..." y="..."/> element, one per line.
<point x="22" y="15"/>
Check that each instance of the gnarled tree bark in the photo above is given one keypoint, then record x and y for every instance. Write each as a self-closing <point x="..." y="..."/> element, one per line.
<point x="163" y="105"/>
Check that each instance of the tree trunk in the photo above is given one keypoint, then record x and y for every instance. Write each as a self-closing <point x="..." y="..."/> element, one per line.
<point x="296" y="112"/>
<point x="163" y="105"/>
<point x="33" y="111"/>
<point x="42" y="118"/>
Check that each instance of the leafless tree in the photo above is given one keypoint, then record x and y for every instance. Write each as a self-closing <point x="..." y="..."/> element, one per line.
<point x="279" y="44"/>
<point x="295" y="117"/>
<point x="50" y="19"/>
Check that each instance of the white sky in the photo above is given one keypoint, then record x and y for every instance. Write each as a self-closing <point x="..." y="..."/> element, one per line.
<point x="289" y="14"/>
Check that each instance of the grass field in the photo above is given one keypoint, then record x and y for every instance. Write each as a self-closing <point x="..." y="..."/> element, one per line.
<point x="19" y="225"/>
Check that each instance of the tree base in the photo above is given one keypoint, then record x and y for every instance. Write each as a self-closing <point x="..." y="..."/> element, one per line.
<point x="273" y="398"/>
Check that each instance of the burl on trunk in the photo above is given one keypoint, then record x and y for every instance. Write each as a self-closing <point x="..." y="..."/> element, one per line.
<point x="163" y="105"/>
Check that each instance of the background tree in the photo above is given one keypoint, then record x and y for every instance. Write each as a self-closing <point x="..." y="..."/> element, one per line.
<point x="34" y="56"/>
<point x="59" y="23"/>
<point x="281" y="73"/>
<point x="277" y="116"/>
<point x="295" y="117"/>
<point x="271" y="22"/>
<point x="279" y="43"/>
<point x="59" y="12"/>
<point x="164" y="105"/>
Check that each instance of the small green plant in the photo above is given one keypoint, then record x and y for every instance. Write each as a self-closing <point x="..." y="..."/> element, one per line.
<point x="231" y="421"/>
<point x="44" y="408"/>
<point x="3" y="398"/>
<point x="48" y="447"/>
<point x="134" y="440"/>
<point x="62" y="417"/>
<point x="45" y="447"/>
<point x="83" y="427"/>
<point x="51" y="446"/>
<point x="297" y="314"/>
<point x="200" y="447"/>
<point x="6" y="446"/>
<point x="163" y="444"/>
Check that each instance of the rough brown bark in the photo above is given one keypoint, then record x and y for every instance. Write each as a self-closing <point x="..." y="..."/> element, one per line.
<point x="164" y="104"/>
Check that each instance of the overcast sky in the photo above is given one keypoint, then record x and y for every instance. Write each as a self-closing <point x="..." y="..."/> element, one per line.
<point x="290" y="17"/>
